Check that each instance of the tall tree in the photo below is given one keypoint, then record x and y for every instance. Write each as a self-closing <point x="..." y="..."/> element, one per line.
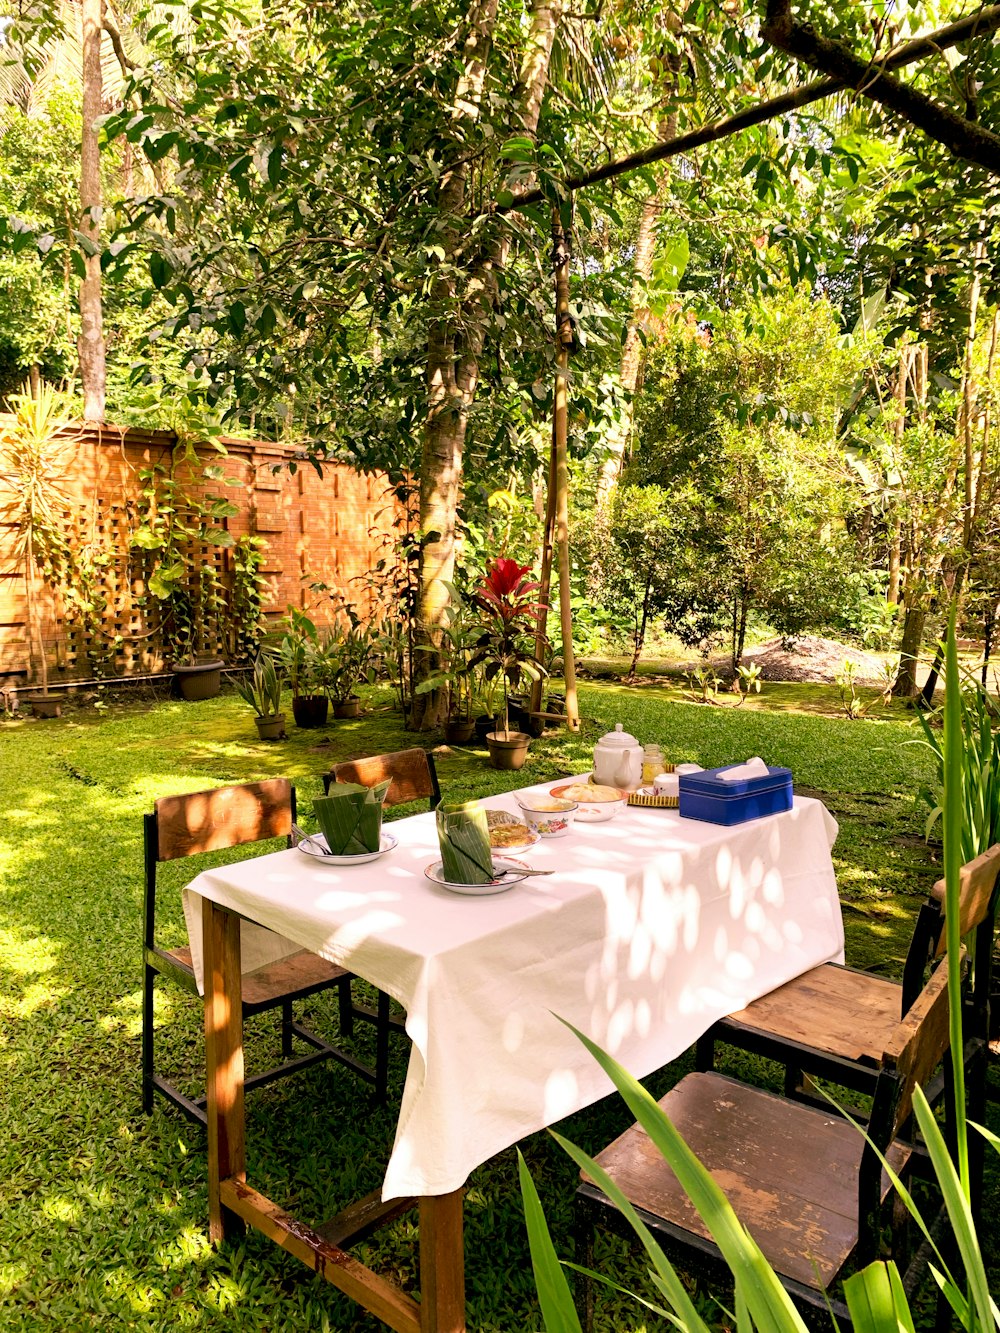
<point x="93" y="371"/>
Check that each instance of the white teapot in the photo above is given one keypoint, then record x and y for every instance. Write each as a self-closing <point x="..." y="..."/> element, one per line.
<point x="618" y="760"/>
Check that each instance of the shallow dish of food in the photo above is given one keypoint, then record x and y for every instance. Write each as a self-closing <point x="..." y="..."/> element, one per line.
<point x="550" y="816"/>
<point x="512" y="833"/>
<point x="595" y="802"/>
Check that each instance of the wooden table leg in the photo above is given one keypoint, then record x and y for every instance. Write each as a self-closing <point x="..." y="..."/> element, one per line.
<point x="224" y="1061"/>
<point x="442" y="1263"/>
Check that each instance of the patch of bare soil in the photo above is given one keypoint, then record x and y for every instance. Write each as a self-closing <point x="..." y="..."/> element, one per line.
<point x="815" y="660"/>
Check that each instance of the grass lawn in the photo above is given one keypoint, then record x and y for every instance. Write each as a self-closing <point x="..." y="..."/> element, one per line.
<point x="103" y="1211"/>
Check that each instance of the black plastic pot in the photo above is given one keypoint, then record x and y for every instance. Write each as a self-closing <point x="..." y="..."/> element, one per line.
<point x="198" y="680"/>
<point x="459" y="731"/>
<point x="310" y="710"/>
<point x="484" y="724"/>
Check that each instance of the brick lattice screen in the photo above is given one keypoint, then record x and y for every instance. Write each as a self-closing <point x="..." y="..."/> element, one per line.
<point x="332" y="530"/>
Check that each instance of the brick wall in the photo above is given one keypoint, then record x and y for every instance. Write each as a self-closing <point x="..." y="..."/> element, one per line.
<point x="331" y="529"/>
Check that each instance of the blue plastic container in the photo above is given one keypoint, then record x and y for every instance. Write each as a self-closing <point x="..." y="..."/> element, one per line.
<point x="706" y="796"/>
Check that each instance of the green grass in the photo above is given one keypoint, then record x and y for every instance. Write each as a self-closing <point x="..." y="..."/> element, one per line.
<point x="102" y="1211"/>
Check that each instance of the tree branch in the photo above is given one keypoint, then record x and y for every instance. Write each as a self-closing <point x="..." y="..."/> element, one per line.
<point x="986" y="21"/>
<point x="963" y="138"/>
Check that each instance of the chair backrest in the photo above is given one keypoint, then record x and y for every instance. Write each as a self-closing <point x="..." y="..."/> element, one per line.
<point x="412" y="775"/>
<point x="207" y="821"/>
<point x="919" y="1042"/>
<point x="976" y="887"/>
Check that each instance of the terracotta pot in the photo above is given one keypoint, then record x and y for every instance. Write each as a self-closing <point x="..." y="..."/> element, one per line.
<point x="508" y="749"/>
<point x="348" y="707"/>
<point x="199" y="680"/>
<point x="43" y="705"/>
<point x="310" y="710"/>
<point x="272" y="727"/>
<point x="459" y="731"/>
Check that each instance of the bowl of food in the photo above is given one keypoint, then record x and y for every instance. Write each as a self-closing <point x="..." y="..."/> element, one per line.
<point x="595" y="802"/>
<point x="550" y="816"/>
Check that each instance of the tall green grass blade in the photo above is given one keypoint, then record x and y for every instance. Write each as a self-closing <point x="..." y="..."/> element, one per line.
<point x="769" y="1304"/>
<point x="954" y="790"/>
<point x="659" y="1310"/>
<point x="992" y="1139"/>
<point x="554" y="1295"/>
<point x="877" y="1301"/>
<point x="955" y="1192"/>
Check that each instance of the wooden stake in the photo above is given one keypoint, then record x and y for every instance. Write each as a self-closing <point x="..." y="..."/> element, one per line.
<point x="564" y="340"/>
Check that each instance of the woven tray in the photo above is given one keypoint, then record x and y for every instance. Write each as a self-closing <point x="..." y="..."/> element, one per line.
<point x="648" y="799"/>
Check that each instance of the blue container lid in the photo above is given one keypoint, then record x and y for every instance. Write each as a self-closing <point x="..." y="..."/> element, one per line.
<point x="708" y="782"/>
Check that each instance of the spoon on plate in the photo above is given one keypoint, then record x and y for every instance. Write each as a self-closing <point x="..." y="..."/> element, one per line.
<point x="303" y="836"/>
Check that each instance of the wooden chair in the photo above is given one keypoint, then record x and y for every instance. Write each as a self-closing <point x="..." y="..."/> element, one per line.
<point x="834" y="1022"/>
<point x="411" y="773"/>
<point x="804" y="1181"/>
<point x="181" y="826"/>
<point x="412" y="777"/>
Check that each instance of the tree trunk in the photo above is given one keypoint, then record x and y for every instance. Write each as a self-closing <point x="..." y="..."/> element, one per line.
<point x="91" y="342"/>
<point x="455" y="343"/>
<point x="642" y="624"/>
<point x="905" y="686"/>
<point x="895" y="542"/>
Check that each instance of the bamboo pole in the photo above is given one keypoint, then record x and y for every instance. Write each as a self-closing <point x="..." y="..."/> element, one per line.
<point x="545" y="578"/>
<point x="564" y="340"/>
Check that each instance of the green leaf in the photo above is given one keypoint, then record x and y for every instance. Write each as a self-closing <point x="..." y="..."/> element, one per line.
<point x="554" y="1296"/>
<point x="877" y="1301"/>
<point x="160" y="270"/>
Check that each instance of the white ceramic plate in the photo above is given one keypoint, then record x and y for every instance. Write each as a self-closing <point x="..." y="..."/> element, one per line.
<point x="316" y="848"/>
<point x="511" y="870"/>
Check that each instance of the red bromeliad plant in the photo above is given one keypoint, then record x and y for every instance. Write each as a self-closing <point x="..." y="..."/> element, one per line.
<point x="509" y="606"/>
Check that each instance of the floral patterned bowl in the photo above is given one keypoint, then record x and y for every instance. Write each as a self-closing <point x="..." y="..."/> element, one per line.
<point x="547" y="815"/>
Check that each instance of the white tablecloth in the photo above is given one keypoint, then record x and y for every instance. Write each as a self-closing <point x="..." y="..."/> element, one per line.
<point x="650" y="929"/>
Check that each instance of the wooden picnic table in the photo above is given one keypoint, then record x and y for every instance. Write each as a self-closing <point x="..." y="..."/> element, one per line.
<point x="650" y="928"/>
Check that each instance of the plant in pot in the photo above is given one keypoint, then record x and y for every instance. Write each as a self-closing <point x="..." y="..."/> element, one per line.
<point x="262" y="691"/>
<point x="36" y="451"/>
<point x="175" y="526"/>
<point x="460" y="635"/>
<point x="304" y="660"/>
<point x="505" y="649"/>
<point x="354" y="648"/>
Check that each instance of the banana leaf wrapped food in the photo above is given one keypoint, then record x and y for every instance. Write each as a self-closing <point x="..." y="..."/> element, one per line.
<point x="464" y="839"/>
<point x="350" y="817"/>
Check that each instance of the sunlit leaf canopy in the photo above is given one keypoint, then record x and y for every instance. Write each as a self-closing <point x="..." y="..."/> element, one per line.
<point x="295" y="228"/>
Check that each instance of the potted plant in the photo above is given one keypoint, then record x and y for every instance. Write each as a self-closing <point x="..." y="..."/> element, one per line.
<point x="505" y="650"/>
<point x="304" y="662"/>
<point x="197" y="675"/>
<point x="262" y="691"/>
<point x="35" y="454"/>
<point x="354" y="649"/>
<point x="460" y="635"/>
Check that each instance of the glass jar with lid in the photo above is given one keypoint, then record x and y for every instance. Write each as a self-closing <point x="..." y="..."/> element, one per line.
<point x="652" y="764"/>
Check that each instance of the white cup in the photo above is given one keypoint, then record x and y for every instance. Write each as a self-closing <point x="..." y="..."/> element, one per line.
<point x="666" y="784"/>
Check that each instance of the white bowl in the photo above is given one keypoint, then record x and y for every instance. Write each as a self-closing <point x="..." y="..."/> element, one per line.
<point x="549" y="816"/>
<point x="589" y="810"/>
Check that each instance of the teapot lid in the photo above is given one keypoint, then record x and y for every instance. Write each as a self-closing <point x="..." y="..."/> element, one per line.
<point x="617" y="739"/>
